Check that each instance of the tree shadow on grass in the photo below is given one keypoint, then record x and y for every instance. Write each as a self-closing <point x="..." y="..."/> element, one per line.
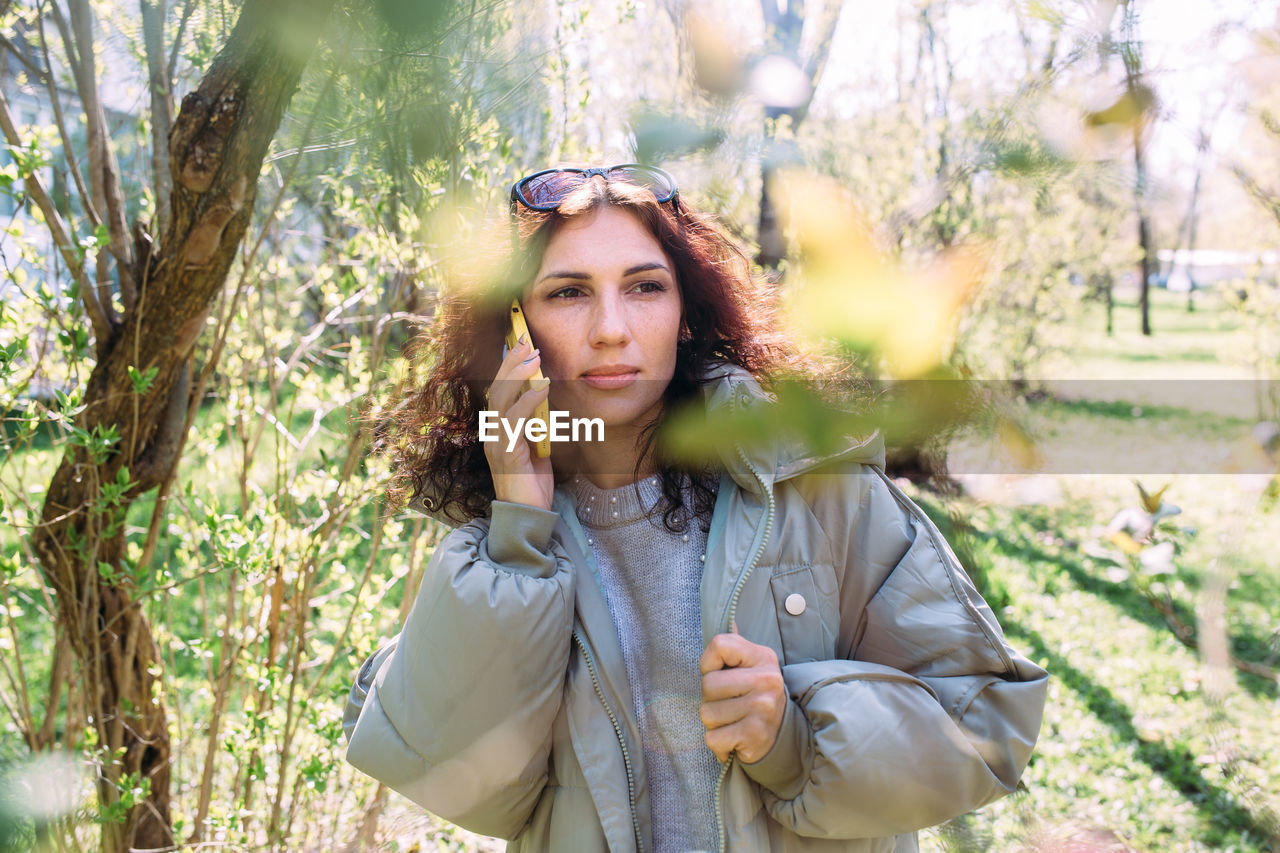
<point x="1133" y="603"/>
<point x="1174" y="763"/>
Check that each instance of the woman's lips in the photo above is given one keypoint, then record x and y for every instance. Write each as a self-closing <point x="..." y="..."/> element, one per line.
<point x="610" y="381"/>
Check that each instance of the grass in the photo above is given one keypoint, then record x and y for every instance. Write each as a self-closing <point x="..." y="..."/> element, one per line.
<point x="1184" y="345"/>
<point x="1136" y="747"/>
<point x="1132" y="742"/>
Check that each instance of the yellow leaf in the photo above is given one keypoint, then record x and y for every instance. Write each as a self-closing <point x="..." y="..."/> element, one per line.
<point x="1125" y="542"/>
<point x="1019" y="444"/>
<point x="1151" y="503"/>
<point x="843" y="289"/>
<point x="1129" y="109"/>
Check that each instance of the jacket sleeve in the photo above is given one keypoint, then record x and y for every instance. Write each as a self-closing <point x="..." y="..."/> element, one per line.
<point x="457" y="714"/>
<point x="927" y="713"/>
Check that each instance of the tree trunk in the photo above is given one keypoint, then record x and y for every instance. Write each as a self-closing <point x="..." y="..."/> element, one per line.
<point x="1111" y="304"/>
<point x="1142" y="102"/>
<point x="216" y="150"/>
<point x="1193" y="228"/>
<point x="773" y="245"/>
<point x="784" y="28"/>
<point x="1146" y="254"/>
<point x="1193" y="208"/>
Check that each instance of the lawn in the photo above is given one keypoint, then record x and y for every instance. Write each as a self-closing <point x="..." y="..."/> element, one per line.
<point x="1145" y="745"/>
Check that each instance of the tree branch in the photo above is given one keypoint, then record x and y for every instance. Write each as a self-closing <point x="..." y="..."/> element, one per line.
<point x="34" y="70"/>
<point x="1269" y="122"/>
<point x="161" y="106"/>
<point x="104" y="173"/>
<point x="68" y="43"/>
<point x="57" y="679"/>
<point x="820" y="51"/>
<point x="1257" y="191"/>
<point x="55" y="100"/>
<point x="177" y="42"/>
<point x="1186" y="635"/>
<point x="102" y="322"/>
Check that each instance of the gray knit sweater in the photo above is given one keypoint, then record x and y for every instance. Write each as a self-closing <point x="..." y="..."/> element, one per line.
<point x="651" y="579"/>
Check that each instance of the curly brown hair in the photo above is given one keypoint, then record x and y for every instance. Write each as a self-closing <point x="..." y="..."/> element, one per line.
<point x="429" y="426"/>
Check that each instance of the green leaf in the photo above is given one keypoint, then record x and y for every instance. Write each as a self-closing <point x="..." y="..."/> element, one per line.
<point x="11" y="350"/>
<point x="143" y="381"/>
<point x="68" y="404"/>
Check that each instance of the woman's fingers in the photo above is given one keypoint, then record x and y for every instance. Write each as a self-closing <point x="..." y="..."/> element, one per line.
<point x="734" y="650"/>
<point x="743" y="697"/>
<point x="723" y="712"/>
<point x="518" y="476"/>
<point x="513" y="457"/>
<point x="517" y="368"/>
<point x="525" y="406"/>
<point x="750" y="737"/>
<point x="728" y="683"/>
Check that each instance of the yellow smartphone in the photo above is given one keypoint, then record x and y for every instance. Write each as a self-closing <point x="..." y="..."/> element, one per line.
<point x="517" y="328"/>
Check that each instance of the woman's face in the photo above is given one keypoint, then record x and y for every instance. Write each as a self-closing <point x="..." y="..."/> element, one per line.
<point x="605" y="309"/>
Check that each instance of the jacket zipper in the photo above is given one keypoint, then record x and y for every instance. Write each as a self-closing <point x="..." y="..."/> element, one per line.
<point x="617" y="730"/>
<point x="721" y="842"/>
<point x="755" y="556"/>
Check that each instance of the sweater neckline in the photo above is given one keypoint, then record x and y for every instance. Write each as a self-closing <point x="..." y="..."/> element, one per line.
<point x="604" y="508"/>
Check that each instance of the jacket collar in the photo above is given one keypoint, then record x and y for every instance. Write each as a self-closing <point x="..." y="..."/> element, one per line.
<point x="729" y="388"/>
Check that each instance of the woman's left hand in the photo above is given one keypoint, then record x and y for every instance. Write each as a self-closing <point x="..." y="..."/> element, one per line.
<point x="743" y="697"/>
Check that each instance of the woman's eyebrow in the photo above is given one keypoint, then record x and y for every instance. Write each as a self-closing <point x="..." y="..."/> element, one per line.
<point x="651" y="265"/>
<point x="582" y="276"/>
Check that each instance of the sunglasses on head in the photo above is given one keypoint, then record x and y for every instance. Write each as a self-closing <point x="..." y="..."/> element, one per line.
<point x="543" y="191"/>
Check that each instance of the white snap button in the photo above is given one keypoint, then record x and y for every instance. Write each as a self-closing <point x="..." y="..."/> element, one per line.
<point x="794" y="604"/>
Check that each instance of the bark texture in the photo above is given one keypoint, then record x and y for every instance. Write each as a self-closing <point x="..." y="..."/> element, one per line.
<point x="216" y="151"/>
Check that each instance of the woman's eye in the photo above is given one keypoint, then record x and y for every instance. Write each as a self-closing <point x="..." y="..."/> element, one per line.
<point x="565" y="293"/>
<point x="651" y="287"/>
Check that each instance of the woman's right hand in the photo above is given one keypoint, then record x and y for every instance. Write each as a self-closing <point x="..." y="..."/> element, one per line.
<point x="519" y="475"/>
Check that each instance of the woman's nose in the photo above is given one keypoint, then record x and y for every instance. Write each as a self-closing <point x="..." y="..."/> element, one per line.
<point x="609" y="324"/>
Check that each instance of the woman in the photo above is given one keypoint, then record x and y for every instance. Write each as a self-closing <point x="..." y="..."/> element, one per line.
<point x="615" y="652"/>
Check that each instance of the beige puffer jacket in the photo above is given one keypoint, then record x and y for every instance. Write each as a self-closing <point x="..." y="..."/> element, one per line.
<point x="504" y="707"/>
